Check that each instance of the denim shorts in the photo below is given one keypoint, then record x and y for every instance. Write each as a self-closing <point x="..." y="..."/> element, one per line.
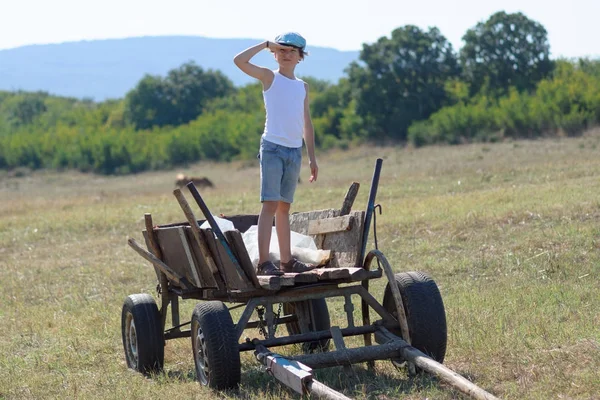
<point x="279" y="171"/>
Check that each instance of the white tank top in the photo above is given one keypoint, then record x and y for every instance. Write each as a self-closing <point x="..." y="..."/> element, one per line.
<point x="284" y="104"/>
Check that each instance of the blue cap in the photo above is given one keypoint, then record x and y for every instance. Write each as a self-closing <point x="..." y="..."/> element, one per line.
<point x="291" y="39"/>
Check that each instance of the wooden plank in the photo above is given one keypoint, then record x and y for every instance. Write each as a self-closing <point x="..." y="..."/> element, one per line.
<point x="288" y="279"/>
<point x="198" y="236"/>
<point x="304" y="277"/>
<point x="235" y="279"/>
<point x="346" y="245"/>
<point x="335" y="273"/>
<point x="190" y="259"/>
<point x="269" y="282"/>
<point x="349" y="198"/>
<point x="211" y="245"/>
<point x="360" y="274"/>
<point x="203" y="259"/>
<point x="329" y="225"/>
<point x="299" y="221"/>
<point x="174" y="254"/>
<point x="227" y="258"/>
<point x="152" y="244"/>
<point x="277" y="282"/>
<point x="239" y="250"/>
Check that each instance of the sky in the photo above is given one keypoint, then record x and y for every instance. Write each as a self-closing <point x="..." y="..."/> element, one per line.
<point x="343" y="25"/>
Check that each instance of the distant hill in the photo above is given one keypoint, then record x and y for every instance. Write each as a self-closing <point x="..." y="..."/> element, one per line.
<point x="102" y="69"/>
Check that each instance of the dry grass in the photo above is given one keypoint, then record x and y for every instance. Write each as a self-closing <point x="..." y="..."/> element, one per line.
<point x="509" y="231"/>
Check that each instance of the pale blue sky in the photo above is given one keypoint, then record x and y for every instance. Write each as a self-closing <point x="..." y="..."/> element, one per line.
<point x="572" y="26"/>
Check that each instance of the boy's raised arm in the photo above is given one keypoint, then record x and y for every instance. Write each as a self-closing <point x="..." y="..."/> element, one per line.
<point x="242" y="60"/>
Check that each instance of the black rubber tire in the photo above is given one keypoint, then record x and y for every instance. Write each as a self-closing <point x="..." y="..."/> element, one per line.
<point x="215" y="346"/>
<point x="141" y="331"/>
<point x="424" y="310"/>
<point x="321" y="319"/>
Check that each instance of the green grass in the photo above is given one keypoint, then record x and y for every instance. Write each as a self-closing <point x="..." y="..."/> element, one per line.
<point x="509" y="231"/>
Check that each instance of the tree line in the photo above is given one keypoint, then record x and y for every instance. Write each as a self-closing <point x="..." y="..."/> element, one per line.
<point x="410" y="87"/>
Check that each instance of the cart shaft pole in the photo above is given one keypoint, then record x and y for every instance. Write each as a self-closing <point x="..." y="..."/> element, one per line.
<point x="320" y="391"/>
<point x="370" y="209"/>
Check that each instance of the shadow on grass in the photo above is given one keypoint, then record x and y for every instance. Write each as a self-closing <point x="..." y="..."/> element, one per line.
<point x="181" y="376"/>
<point x="384" y="382"/>
<point x="360" y="383"/>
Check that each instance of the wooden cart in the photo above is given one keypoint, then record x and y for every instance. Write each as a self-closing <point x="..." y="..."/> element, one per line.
<point x="214" y="267"/>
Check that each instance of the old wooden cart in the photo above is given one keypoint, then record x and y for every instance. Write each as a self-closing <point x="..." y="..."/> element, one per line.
<point x="214" y="266"/>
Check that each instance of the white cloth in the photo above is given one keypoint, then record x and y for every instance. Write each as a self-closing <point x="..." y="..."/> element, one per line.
<point x="224" y="224"/>
<point x="303" y="247"/>
<point x="284" y="105"/>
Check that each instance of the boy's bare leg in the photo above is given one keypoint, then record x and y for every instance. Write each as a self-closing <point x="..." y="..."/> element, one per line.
<point x="265" y="226"/>
<point x="282" y="226"/>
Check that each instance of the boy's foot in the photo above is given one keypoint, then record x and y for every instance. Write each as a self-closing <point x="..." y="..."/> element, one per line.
<point x="268" y="268"/>
<point x="296" y="266"/>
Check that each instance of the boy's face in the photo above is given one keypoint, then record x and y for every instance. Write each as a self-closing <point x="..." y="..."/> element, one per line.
<point x="287" y="55"/>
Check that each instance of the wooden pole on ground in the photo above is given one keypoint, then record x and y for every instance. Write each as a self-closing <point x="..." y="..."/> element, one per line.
<point x="426" y="363"/>
<point x="321" y="391"/>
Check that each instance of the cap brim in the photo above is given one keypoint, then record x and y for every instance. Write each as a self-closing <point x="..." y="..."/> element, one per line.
<point x="290" y="45"/>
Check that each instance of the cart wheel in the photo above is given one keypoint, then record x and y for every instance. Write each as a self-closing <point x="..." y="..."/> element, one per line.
<point x="215" y="346"/>
<point x="424" y="310"/>
<point x="316" y="320"/>
<point x="141" y="330"/>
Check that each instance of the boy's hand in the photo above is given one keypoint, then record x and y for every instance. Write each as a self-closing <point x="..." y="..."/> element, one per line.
<point x="273" y="47"/>
<point x="314" y="171"/>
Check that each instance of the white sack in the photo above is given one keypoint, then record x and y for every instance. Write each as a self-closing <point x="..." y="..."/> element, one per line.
<point x="303" y="248"/>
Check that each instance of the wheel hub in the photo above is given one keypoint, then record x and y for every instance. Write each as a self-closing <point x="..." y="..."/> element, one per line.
<point x="200" y="356"/>
<point x="131" y="341"/>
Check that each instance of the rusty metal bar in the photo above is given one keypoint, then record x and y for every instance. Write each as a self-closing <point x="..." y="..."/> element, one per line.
<point x="306" y="337"/>
<point x="352" y="355"/>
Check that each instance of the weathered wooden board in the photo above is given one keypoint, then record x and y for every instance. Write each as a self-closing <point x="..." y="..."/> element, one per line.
<point x="269" y="282"/>
<point x="236" y="242"/>
<point x="345" y="275"/>
<point x="176" y="253"/>
<point x="299" y="221"/>
<point x="204" y="262"/>
<point x="349" y="198"/>
<point x="329" y="225"/>
<point x="190" y="258"/>
<point x="345" y="245"/>
<point x="236" y="279"/>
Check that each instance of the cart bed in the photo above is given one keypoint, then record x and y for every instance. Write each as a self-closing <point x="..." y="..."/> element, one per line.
<point x="205" y="263"/>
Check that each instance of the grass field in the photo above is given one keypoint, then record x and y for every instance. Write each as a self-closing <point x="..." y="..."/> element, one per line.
<point x="509" y="231"/>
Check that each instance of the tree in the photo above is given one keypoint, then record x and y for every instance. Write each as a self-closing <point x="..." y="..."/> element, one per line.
<point x="507" y="50"/>
<point x="148" y="104"/>
<point x="401" y="80"/>
<point x="23" y="108"/>
<point x="177" y="99"/>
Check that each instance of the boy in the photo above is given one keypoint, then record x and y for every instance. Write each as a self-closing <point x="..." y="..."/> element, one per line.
<point x="287" y="123"/>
